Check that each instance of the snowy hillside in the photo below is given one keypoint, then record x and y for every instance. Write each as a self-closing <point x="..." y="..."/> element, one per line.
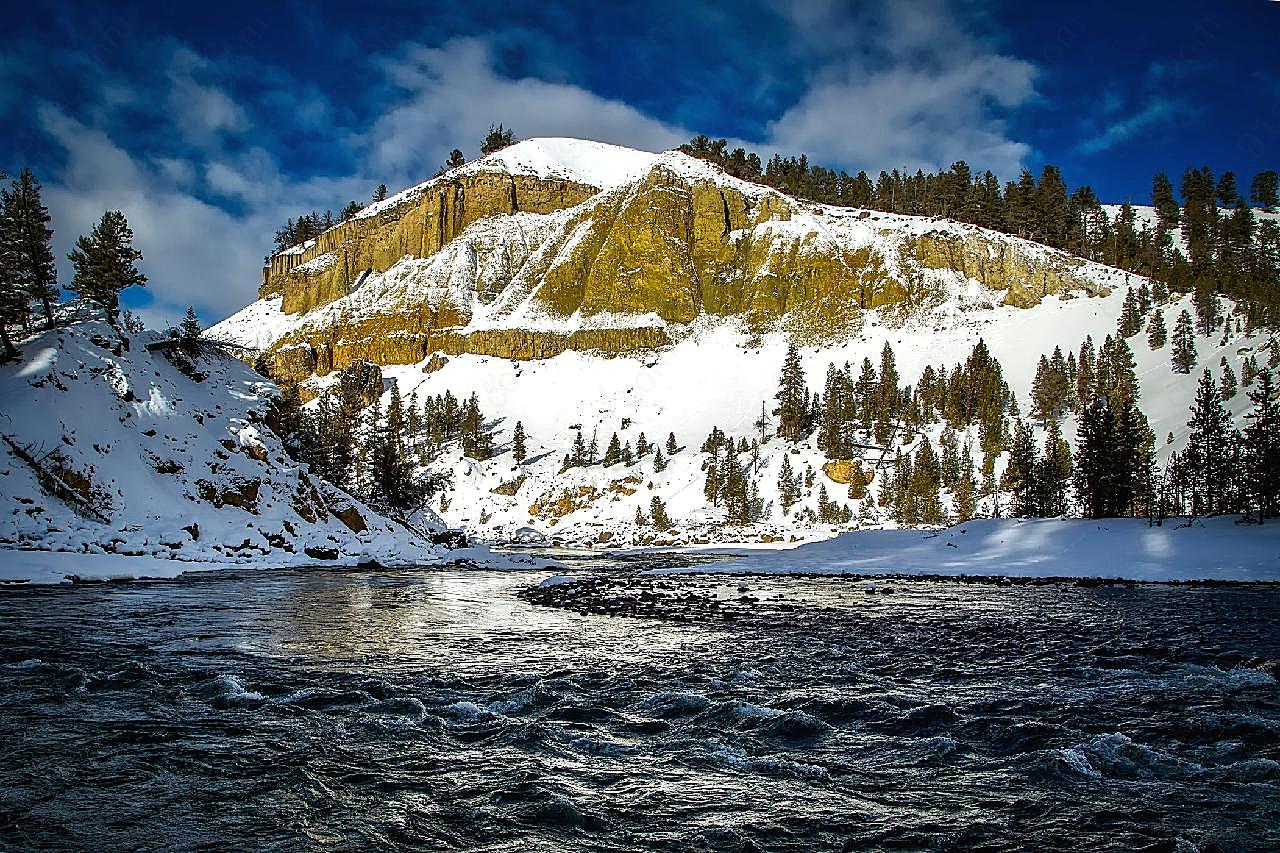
<point x="125" y="447"/>
<point x="700" y="280"/>
<point x="719" y="376"/>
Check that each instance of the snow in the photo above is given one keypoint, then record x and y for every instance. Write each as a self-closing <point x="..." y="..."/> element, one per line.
<point x="595" y="164"/>
<point x="716" y="372"/>
<point x="1207" y="549"/>
<point x="174" y="473"/>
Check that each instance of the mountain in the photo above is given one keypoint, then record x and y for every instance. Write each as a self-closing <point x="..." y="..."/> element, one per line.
<point x="131" y="446"/>
<point x="574" y="285"/>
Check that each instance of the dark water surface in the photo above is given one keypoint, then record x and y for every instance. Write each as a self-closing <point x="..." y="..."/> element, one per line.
<point x="439" y="710"/>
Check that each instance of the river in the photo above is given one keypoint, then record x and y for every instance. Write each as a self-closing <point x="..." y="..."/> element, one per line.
<point x="442" y="709"/>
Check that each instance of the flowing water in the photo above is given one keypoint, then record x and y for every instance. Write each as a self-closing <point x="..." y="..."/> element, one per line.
<point x="435" y="709"/>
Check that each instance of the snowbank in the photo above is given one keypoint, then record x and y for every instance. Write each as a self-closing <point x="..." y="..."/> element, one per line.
<point x="1211" y="549"/>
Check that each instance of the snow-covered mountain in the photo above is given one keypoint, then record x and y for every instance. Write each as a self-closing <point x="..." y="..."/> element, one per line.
<point x="576" y="285"/>
<point x="127" y="446"/>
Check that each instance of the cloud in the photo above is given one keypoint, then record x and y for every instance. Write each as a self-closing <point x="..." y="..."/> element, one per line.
<point x="453" y="92"/>
<point x="1159" y="111"/>
<point x="905" y="85"/>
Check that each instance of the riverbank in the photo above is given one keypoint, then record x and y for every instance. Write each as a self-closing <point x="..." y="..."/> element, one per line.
<point x="56" y="567"/>
<point x="1128" y="548"/>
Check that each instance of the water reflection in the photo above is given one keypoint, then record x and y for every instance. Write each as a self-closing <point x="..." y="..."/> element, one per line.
<point x="440" y="710"/>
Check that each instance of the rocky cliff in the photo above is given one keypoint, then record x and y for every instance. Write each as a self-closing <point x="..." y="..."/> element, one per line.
<point x="510" y="260"/>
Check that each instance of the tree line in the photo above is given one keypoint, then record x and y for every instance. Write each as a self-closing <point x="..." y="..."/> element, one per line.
<point x="1229" y="250"/>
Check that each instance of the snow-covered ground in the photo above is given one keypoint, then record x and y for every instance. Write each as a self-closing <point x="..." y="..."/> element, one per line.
<point x="718" y="376"/>
<point x="1203" y="549"/>
<point x="131" y="467"/>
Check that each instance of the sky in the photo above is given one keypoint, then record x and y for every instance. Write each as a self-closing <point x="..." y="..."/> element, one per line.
<point x="209" y="126"/>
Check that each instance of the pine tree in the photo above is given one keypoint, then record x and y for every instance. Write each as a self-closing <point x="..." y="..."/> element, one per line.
<point x="496" y="139"/>
<point x="1208" y="462"/>
<point x="518" y="450"/>
<point x="392" y="482"/>
<point x="25" y="238"/>
<point x="1020" y="474"/>
<point x="455" y="160"/>
<point x="13" y="306"/>
<point x="926" y="480"/>
<point x="1183" y="352"/>
<point x="1053" y="475"/>
<point x="788" y="490"/>
<point x="659" y="463"/>
<point x="613" y="453"/>
<point x="1261" y="449"/>
<point x="1263" y="190"/>
<point x="792" y="397"/>
<point x="672" y="447"/>
<point x="380" y="194"/>
<point x="658" y="512"/>
<point x="643" y="447"/>
<point x="1229" y="387"/>
<point x="579" y="455"/>
<point x="189" y="329"/>
<point x="1130" y="322"/>
<point x="628" y="458"/>
<point x="1157" y="335"/>
<point x="105" y="263"/>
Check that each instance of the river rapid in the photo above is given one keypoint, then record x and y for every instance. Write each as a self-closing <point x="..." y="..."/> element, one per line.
<point x="452" y="709"/>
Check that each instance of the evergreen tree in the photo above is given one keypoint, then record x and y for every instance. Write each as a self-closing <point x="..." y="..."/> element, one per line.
<point x="1053" y="475"/>
<point x="1183" y="352"/>
<point x="1020" y="474"/>
<point x="792" y="397"/>
<point x="285" y="417"/>
<point x="641" y="520"/>
<point x="788" y="489"/>
<point x="1263" y="190"/>
<point x="1112" y="471"/>
<point x="518" y="450"/>
<point x="659" y="463"/>
<point x="105" y="263"/>
<point x="455" y="160"/>
<point x="628" y="458"/>
<point x="672" y="447"/>
<point x="1261" y="449"/>
<point x="496" y="139"/>
<point x="1157" y="335"/>
<point x="1130" y="322"/>
<point x="189" y="329"/>
<point x="613" y="453"/>
<point x="658" y="512"/>
<point x="13" y="307"/>
<point x="1162" y="198"/>
<point x="926" y="480"/>
<point x="25" y="240"/>
<point x="393" y="484"/>
<point x="1229" y="387"/>
<point x="643" y="447"/>
<point x="579" y="455"/>
<point x="1209" y="460"/>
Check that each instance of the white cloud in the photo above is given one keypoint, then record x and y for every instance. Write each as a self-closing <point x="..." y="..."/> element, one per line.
<point x="1157" y="112"/>
<point x="902" y="85"/>
<point x="452" y="93"/>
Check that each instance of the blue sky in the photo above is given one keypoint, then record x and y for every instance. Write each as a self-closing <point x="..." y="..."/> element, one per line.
<point x="210" y="125"/>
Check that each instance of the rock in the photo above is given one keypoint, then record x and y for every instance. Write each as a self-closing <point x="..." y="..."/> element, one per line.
<point x="321" y="552"/>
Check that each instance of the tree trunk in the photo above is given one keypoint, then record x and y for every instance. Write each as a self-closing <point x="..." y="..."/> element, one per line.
<point x="10" y="351"/>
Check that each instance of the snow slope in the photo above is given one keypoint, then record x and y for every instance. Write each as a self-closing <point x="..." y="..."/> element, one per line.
<point x="1209" y="549"/>
<point x="112" y="455"/>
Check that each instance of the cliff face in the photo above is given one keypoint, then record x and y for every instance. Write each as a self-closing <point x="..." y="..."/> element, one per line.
<point x="526" y="266"/>
<point x="328" y="267"/>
